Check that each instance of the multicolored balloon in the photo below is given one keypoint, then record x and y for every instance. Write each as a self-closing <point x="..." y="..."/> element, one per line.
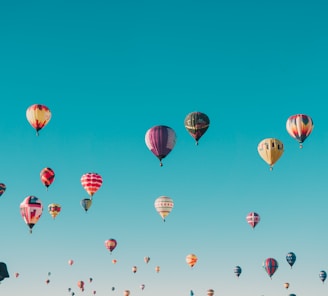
<point x="126" y="293"/>
<point x="110" y="244"/>
<point x="38" y="116"/>
<point x="191" y="260"/>
<point x="197" y="123"/>
<point x="157" y="269"/>
<point x="270" y="265"/>
<point x="134" y="269"/>
<point x="91" y="182"/>
<point x="286" y="285"/>
<point x="2" y="188"/>
<point x="210" y="292"/>
<point x="54" y="209"/>
<point x="237" y="270"/>
<point x="86" y="203"/>
<point x="299" y="127"/>
<point x="164" y="206"/>
<point x="80" y="284"/>
<point x="291" y="258"/>
<point x="270" y="150"/>
<point x="253" y="219"/>
<point x="31" y="210"/>
<point x="160" y="140"/>
<point x="147" y="259"/>
<point x="322" y="275"/>
<point x="47" y="176"/>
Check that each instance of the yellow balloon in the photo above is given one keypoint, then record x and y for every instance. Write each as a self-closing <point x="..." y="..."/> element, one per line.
<point x="270" y="150"/>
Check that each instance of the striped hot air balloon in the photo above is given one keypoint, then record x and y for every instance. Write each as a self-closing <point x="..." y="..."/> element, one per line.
<point x="91" y="182"/>
<point x="163" y="206"/>
<point x="191" y="260"/>
<point x="270" y="265"/>
<point x="299" y="127"/>
<point x="38" y="116"/>
<point x="160" y="140"/>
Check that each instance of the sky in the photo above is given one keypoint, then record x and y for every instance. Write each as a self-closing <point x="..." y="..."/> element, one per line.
<point x="109" y="71"/>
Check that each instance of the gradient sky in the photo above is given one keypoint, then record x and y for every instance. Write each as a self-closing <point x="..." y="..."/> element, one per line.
<point x="110" y="70"/>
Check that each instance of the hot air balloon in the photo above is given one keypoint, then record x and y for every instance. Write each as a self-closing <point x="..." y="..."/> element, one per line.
<point x="160" y="140"/>
<point x="80" y="284"/>
<point x="237" y="271"/>
<point x="291" y="258"/>
<point x="86" y="203"/>
<point x="292" y="295"/>
<point x="163" y="206"/>
<point x="286" y="285"/>
<point x="54" y="209"/>
<point x="70" y="262"/>
<point x="110" y="244"/>
<point x="16" y="274"/>
<point x="47" y="281"/>
<point x="191" y="293"/>
<point x="31" y="210"/>
<point x="146" y="259"/>
<point x="3" y="271"/>
<point x="197" y="123"/>
<point x="191" y="259"/>
<point x="90" y="280"/>
<point x="38" y="116"/>
<point x="47" y="176"/>
<point x="157" y="269"/>
<point x="2" y="188"/>
<point x="113" y="288"/>
<point x="270" y="150"/>
<point x="253" y="219"/>
<point x="210" y="292"/>
<point x="322" y="275"/>
<point x="299" y="127"/>
<point x="142" y="287"/>
<point x="114" y="261"/>
<point x="91" y="182"/>
<point x="270" y="265"/>
<point x="126" y="293"/>
<point x="134" y="269"/>
<point x="94" y="292"/>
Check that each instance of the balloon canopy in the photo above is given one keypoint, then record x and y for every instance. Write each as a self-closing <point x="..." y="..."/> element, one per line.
<point x="164" y="206"/>
<point x="38" y="116"/>
<point x="191" y="260"/>
<point x="270" y="150"/>
<point x="196" y="123"/>
<point x="2" y="188"/>
<point x="299" y="127"/>
<point x="54" y="209"/>
<point x="291" y="258"/>
<point x="91" y="182"/>
<point x="110" y="244"/>
<point x="31" y="210"/>
<point x="160" y="140"/>
<point x="270" y="265"/>
<point x="3" y="271"/>
<point x="253" y="219"/>
<point x="47" y="176"/>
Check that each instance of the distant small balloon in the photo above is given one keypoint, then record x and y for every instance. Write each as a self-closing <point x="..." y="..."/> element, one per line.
<point x="210" y="292"/>
<point x="134" y="269"/>
<point x="146" y="259"/>
<point x="70" y="262"/>
<point x="2" y="188"/>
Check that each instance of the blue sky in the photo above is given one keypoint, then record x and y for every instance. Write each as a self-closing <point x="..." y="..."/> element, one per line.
<point x="109" y="71"/>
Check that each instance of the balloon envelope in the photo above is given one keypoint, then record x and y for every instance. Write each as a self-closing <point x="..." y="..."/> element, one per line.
<point x="110" y="244"/>
<point x="70" y="262"/>
<point x="164" y="206"/>
<point x="270" y="265"/>
<point x="3" y="271"/>
<point x="299" y="127"/>
<point x="322" y="275"/>
<point x="160" y="140"/>
<point x="38" y="116"/>
<point x="286" y="285"/>
<point x="54" y="209"/>
<point x="86" y="203"/>
<point x="2" y="188"/>
<point x="191" y="259"/>
<point x="197" y="123"/>
<point x="270" y="150"/>
<point x="157" y="269"/>
<point x="237" y="270"/>
<point x="47" y="176"/>
<point x="210" y="292"/>
<point x="91" y="182"/>
<point x="146" y="259"/>
<point x="253" y="219"/>
<point x="31" y="210"/>
<point x="291" y="258"/>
